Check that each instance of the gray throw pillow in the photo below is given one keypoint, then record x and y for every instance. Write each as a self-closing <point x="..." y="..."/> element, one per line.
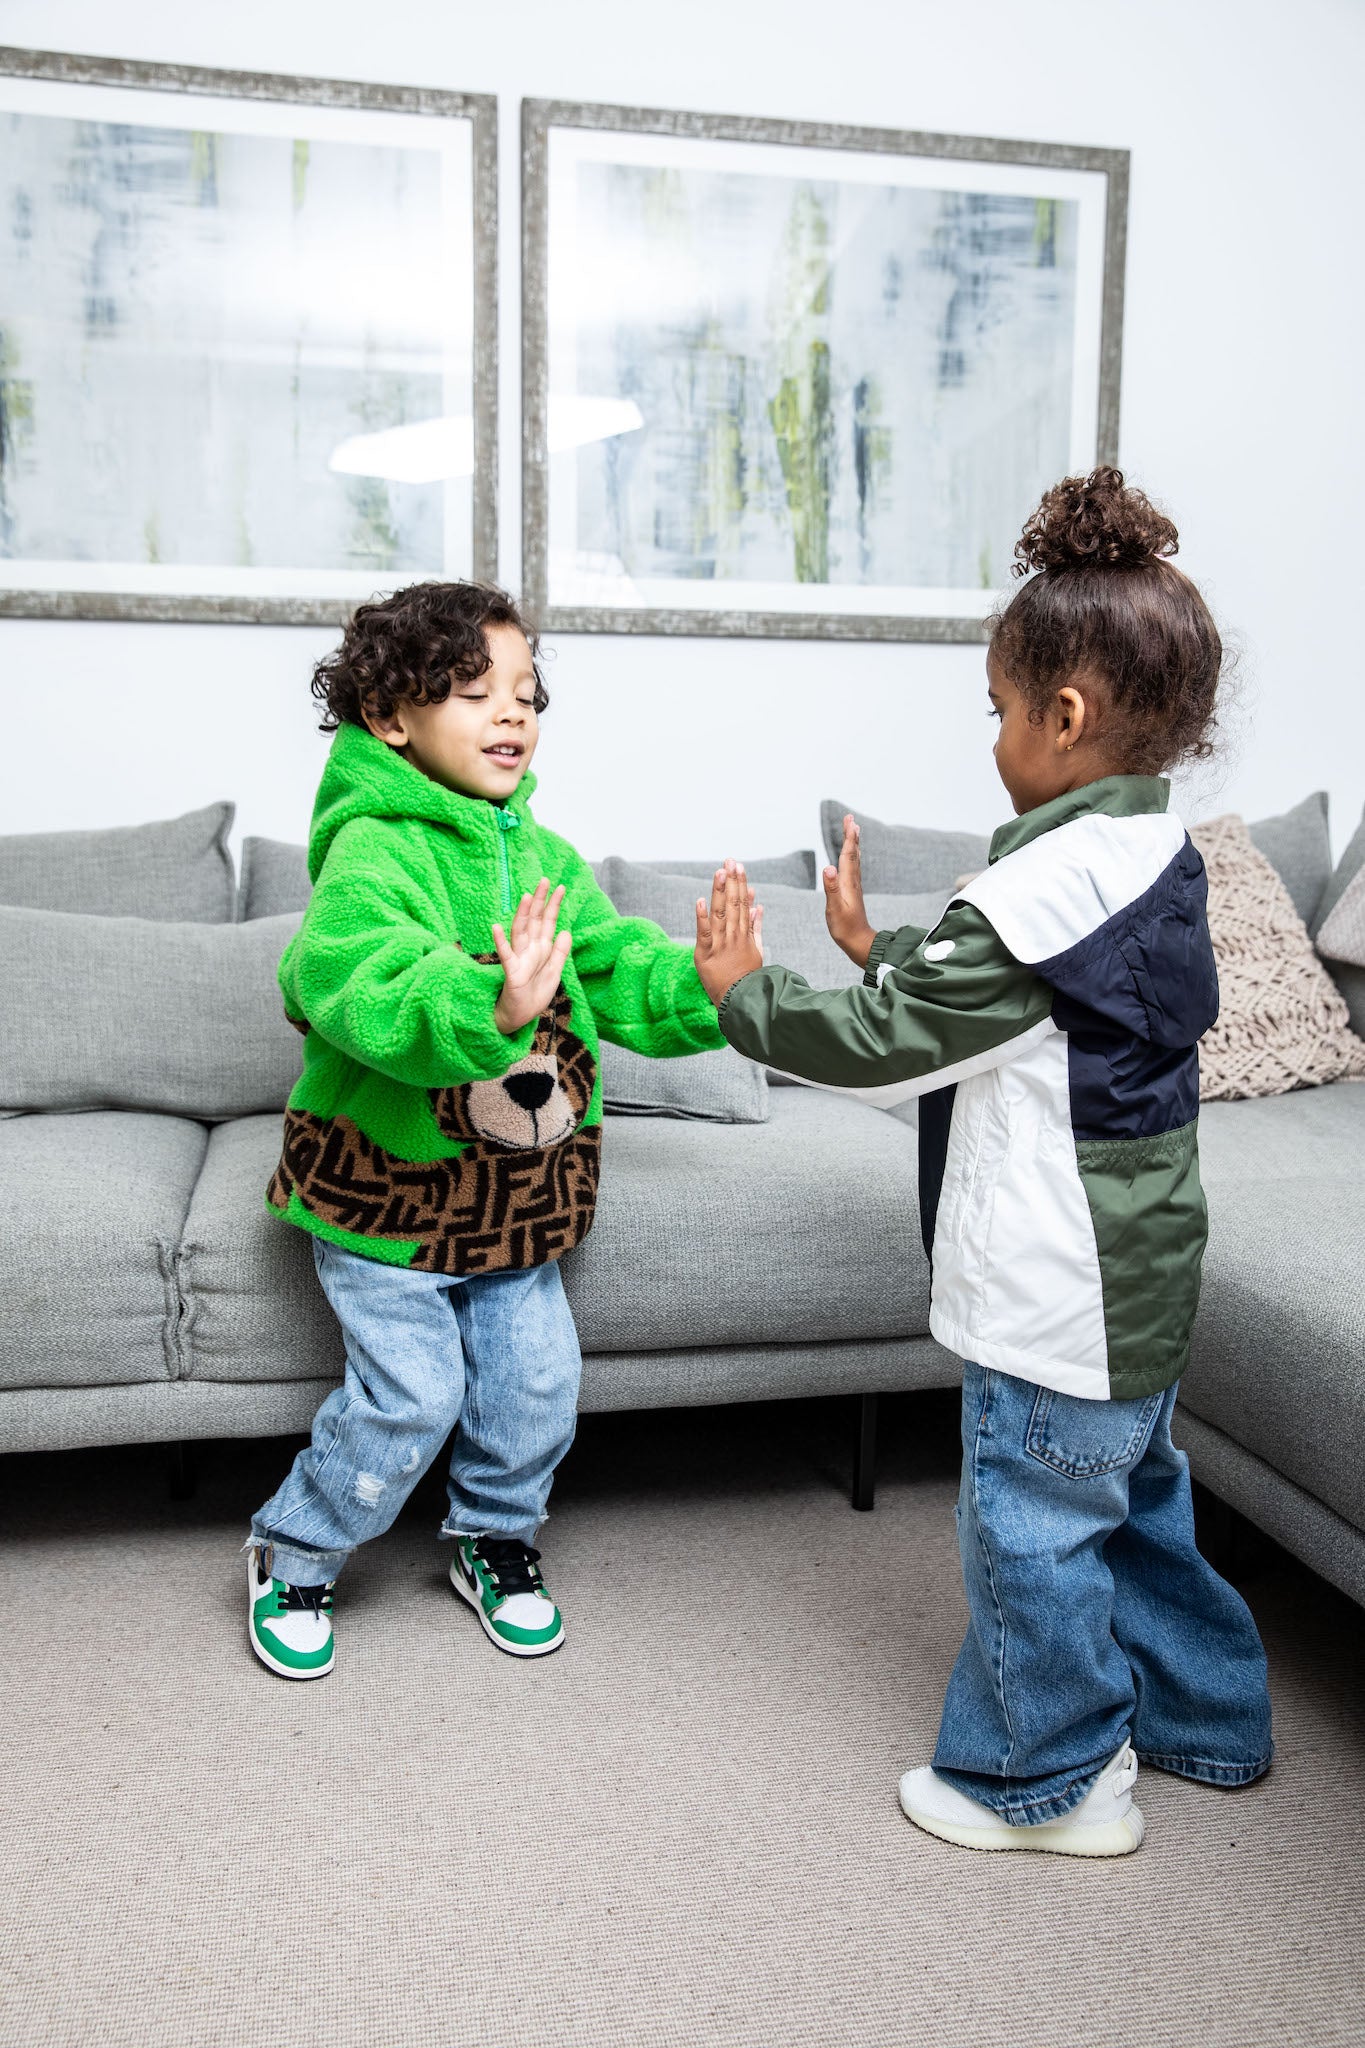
<point x="709" y="1087"/>
<point x="901" y="859"/>
<point x="785" y="870"/>
<point x="1349" y="979"/>
<point x="794" y="933"/>
<point x="128" y="1013"/>
<point x="274" y="878"/>
<point x="176" y="871"/>
<point x="1298" y="846"/>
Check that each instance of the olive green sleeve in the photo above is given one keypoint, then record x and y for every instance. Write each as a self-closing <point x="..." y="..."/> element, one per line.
<point x="893" y="949"/>
<point x="968" y="1007"/>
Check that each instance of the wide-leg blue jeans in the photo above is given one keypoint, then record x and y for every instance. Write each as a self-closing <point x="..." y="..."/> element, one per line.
<point x="494" y="1357"/>
<point x="1094" y="1618"/>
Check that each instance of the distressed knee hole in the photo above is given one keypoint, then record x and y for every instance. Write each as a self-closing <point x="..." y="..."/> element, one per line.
<point x="368" y="1488"/>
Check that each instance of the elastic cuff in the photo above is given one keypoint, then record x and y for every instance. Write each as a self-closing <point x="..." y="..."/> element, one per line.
<point x="874" y="959"/>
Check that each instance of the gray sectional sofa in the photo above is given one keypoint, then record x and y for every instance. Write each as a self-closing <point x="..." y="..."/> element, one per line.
<point x="145" y="1294"/>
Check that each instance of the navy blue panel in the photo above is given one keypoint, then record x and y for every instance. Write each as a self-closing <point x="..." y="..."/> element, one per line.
<point x="935" y="1117"/>
<point x="1135" y="998"/>
<point x="1121" y="1087"/>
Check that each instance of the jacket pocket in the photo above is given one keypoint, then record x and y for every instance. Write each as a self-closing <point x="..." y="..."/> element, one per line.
<point x="1084" y="1439"/>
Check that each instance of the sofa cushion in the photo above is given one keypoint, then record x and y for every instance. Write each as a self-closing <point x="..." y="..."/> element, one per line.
<point x="1278" y="1361"/>
<point x="718" y="1087"/>
<point x="126" y="1013"/>
<point x="1350" y="980"/>
<point x="1298" y="845"/>
<point x="178" y="870"/>
<point x="905" y="859"/>
<point x="253" y="1306"/>
<point x="800" y="1229"/>
<point x="91" y="1211"/>
<point x="274" y="878"/>
<point x="777" y="870"/>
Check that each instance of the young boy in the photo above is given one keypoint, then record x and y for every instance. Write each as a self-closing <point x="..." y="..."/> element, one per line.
<point x="1055" y="1012"/>
<point x="442" y="1143"/>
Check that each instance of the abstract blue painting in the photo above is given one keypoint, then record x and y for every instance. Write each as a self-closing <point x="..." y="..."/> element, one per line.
<point x="210" y="316"/>
<point x="840" y="383"/>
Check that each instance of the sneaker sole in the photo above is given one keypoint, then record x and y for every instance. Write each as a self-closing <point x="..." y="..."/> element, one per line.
<point x="287" y="1670"/>
<point x="471" y="1599"/>
<point x="1053" y="1838"/>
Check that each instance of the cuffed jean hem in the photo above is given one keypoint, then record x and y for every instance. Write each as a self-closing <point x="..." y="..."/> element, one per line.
<point x="1204" y="1772"/>
<point x="296" y="1566"/>
<point x="525" y="1532"/>
<point x="1020" y="1808"/>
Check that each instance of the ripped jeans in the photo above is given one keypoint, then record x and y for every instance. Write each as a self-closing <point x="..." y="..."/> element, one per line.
<point x="1093" y="1617"/>
<point x="493" y="1356"/>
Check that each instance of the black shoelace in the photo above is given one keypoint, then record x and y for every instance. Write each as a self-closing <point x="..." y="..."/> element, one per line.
<point x="310" y="1599"/>
<point x="511" y="1565"/>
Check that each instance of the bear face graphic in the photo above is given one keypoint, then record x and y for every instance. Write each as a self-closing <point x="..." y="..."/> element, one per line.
<point x="538" y="1102"/>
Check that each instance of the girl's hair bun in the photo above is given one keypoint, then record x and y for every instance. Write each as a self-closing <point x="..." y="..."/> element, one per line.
<point x="1091" y="522"/>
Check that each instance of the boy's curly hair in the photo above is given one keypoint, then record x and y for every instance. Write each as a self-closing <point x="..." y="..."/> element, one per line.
<point x="413" y="647"/>
<point x="1106" y="601"/>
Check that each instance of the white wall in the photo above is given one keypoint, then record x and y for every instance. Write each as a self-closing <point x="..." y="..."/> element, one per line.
<point x="1242" y="411"/>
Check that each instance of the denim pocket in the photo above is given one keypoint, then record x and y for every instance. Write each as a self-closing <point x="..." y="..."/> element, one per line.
<point x="1083" y="1439"/>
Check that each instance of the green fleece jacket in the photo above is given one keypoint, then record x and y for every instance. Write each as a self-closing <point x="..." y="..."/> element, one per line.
<point x="418" y="1133"/>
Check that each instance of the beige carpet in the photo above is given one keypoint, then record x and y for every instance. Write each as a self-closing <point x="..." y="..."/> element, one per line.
<point x="680" y="1830"/>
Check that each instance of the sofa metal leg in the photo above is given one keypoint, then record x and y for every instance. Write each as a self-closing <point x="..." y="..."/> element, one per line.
<point x="865" y="1454"/>
<point x="183" y="1477"/>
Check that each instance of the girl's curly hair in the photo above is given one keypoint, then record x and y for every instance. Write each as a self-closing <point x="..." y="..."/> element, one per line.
<point x="413" y="647"/>
<point x="1106" y="601"/>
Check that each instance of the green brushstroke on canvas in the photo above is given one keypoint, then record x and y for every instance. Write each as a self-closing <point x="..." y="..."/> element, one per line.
<point x="1045" y="233"/>
<point x="800" y="410"/>
<point x="302" y="149"/>
<point x="151" y="537"/>
<point x="204" y="166"/>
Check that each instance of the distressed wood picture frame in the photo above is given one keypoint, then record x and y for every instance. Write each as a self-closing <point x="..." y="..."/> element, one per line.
<point x="248" y="340"/>
<point x="788" y="379"/>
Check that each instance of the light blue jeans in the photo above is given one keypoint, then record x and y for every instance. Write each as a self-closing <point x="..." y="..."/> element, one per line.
<point x="494" y="1357"/>
<point x="1094" y="1619"/>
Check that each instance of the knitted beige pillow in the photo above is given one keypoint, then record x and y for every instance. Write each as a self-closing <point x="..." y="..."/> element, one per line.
<point x="1342" y="933"/>
<point x="1282" y="1022"/>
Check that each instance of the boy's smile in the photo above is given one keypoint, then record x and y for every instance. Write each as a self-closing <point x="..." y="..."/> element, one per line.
<point x="481" y="738"/>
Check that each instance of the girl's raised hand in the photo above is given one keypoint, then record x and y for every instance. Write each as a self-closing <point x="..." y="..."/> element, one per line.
<point x="729" y="932"/>
<point x="532" y="959"/>
<point x="845" y="912"/>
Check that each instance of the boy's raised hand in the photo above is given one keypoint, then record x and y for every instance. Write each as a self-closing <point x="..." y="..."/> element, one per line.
<point x="532" y="959"/>
<point x="729" y="932"/>
<point x="845" y="913"/>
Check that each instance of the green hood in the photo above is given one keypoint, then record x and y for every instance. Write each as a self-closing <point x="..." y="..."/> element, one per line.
<point x="364" y="778"/>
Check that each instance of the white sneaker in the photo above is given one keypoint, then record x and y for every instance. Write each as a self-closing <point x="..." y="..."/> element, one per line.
<point x="1106" y="1823"/>
<point x="290" y="1627"/>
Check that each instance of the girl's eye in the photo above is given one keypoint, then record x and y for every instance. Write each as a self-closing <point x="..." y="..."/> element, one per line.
<point x="994" y="712"/>
<point x="527" y="703"/>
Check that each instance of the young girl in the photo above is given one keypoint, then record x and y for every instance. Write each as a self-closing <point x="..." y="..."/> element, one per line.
<point x="1055" y="1010"/>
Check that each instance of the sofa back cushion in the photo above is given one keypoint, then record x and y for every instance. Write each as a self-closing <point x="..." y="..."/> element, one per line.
<point x="274" y="878"/>
<point x="905" y="859"/>
<point x="128" y="1013"/>
<point x="1298" y="845"/>
<point x="176" y="871"/>
<point x="1349" y="978"/>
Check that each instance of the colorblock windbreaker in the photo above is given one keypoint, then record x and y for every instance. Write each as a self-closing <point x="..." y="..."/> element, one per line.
<point x="1050" y="1021"/>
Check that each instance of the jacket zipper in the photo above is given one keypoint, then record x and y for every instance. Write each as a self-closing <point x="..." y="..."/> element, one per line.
<point x="508" y="821"/>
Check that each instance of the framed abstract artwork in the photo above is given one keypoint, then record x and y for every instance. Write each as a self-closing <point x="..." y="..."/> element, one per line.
<point x="248" y="336"/>
<point x="782" y="378"/>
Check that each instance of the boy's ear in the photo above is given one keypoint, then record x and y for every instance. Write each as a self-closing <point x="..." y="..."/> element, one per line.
<point x="390" y="728"/>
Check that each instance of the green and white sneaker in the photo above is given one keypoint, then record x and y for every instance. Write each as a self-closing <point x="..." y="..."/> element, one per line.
<point x="497" y="1575"/>
<point x="290" y="1626"/>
